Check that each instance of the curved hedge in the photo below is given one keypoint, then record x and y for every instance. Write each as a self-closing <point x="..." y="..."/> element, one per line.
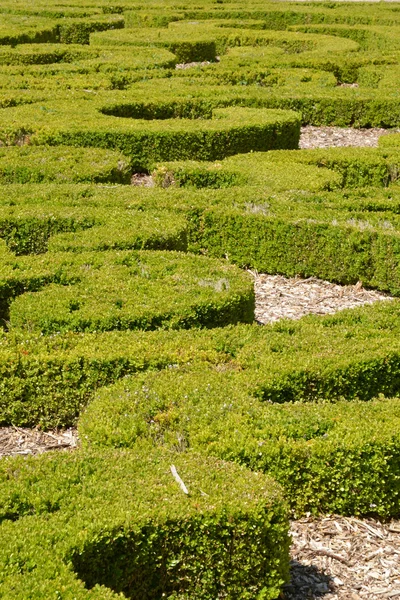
<point x="60" y="292"/>
<point x="273" y="15"/>
<point x="112" y="523"/>
<point x="203" y="41"/>
<point x="36" y="28"/>
<point x="77" y="217"/>
<point x="150" y="132"/>
<point x="334" y="458"/>
<point x="96" y="59"/>
<point x="33" y="164"/>
<point x="312" y="403"/>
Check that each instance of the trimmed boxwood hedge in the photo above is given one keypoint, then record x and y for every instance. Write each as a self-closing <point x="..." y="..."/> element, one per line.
<point x="150" y="132"/>
<point x="102" y="291"/>
<point x="47" y="379"/>
<point x="33" y="164"/>
<point x="273" y="15"/>
<point x="298" y="400"/>
<point x="116" y="524"/>
<point x="32" y="29"/>
<point x="61" y="217"/>
<point x="335" y="458"/>
<point x="201" y="41"/>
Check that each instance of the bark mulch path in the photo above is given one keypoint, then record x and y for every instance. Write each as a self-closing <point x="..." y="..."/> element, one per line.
<point x="279" y="297"/>
<point x="335" y="137"/>
<point x="22" y="441"/>
<point x="344" y="558"/>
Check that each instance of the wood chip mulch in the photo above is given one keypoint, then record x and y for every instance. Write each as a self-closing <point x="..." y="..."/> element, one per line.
<point x="344" y="558"/>
<point x="335" y="137"/>
<point x="279" y="297"/>
<point x="190" y="65"/>
<point x="337" y="558"/>
<point x="23" y="441"/>
<point x="142" y="180"/>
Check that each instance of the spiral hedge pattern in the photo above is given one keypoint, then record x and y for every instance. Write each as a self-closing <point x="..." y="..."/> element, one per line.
<point x="128" y="311"/>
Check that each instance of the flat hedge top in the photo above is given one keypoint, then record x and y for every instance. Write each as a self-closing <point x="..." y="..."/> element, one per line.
<point x="80" y="515"/>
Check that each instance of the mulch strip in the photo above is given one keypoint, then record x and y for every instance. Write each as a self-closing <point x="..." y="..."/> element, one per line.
<point x="344" y="558"/>
<point x="23" y="441"/>
<point x="279" y="297"/>
<point x="335" y="137"/>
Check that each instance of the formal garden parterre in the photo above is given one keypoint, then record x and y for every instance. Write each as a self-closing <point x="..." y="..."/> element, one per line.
<point x="129" y="312"/>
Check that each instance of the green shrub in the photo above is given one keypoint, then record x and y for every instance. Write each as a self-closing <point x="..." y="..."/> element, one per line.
<point x="151" y="230"/>
<point x="33" y="164"/>
<point x="150" y="132"/>
<point x="33" y="29"/>
<point x="302" y="401"/>
<point x="392" y="141"/>
<point x="355" y="354"/>
<point x="226" y="36"/>
<point x="60" y="217"/>
<point x="368" y="38"/>
<point x="271" y="14"/>
<point x="39" y="54"/>
<point x="335" y="458"/>
<point x="78" y="31"/>
<point x="186" y="48"/>
<point x="340" y="237"/>
<point x="123" y="290"/>
<point x="112" y="523"/>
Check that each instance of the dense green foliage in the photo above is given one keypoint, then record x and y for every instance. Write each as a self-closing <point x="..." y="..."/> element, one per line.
<point x="81" y="517"/>
<point x="31" y="164"/>
<point x="122" y="290"/>
<point x="126" y="309"/>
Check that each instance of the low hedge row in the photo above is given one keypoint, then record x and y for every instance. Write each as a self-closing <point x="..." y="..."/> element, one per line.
<point x="82" y="118"/>
<point x="345" y="66"/>
<point x="201" y="41"/>
<point x="34" y="29"/>
<point x="186" y="48"/>
<point x="338" y="237"/>
<point x="225" y="74"/>
<point x="138" y="230"/>
<point x="368" y="38"/>
<point x="41" y="164"/>
<point x="332" y="458"/>
<point x="105" y="523"/>
<point x="46" y="380"/>
<point x="38" y="217"/>
<point x="40" y="54"/>
<point x="130" y="217"/>
<point x="147" y="133"/>
<point x="272" y="14"/>
<point x="389" y="142"/>
<point x="65" y="67"/>
<point x="102" y="291"/>
<point x="116" y="524"/>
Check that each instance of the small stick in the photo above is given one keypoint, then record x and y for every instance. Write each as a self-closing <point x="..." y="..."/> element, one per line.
<point x="179" y="480"/>
<point x="326" y="552"/>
